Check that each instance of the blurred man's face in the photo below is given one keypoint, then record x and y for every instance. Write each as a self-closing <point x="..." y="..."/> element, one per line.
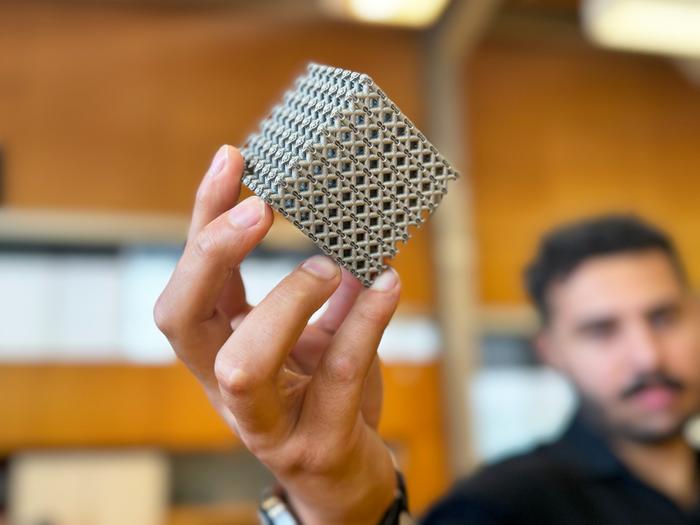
<point x="626" y="331"/>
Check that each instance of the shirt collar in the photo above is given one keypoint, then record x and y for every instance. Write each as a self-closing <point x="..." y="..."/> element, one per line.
<point x="583" y="447"/>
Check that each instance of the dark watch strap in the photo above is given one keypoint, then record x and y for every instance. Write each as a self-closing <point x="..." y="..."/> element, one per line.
<point x="398" y="512"/>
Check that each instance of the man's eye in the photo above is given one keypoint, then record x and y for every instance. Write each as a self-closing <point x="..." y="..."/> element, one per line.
<point x="663" y="318"/>
<point x="600" y="331"/>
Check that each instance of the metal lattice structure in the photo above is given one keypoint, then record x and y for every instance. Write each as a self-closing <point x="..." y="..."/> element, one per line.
<point x="340" y="160"/>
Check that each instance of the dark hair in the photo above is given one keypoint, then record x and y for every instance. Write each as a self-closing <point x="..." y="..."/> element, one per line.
<point x="563" y="249"/>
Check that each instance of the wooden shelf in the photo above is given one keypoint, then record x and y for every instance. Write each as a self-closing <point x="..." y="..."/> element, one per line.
<point x="115" y="405"/>
<point x="78" y="406"/>
<point x="120" y="228"/>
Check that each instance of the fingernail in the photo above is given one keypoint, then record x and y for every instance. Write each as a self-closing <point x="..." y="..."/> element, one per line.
<point x="247" y="213"/>
<point x="386" y="281"/>
<point x="321" y="267"/>
<point x="218" y="163"/>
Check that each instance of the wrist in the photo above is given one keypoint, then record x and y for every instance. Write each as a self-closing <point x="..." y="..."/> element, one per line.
<point x="359" y="493"/>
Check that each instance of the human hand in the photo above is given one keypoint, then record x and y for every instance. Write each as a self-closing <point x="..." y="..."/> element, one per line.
<point x="304" y="398"/>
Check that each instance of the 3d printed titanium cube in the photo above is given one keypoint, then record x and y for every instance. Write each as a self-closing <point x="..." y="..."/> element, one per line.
<point x="339" y="159"/>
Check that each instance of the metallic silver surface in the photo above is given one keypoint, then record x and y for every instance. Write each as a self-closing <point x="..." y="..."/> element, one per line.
<point x="340" y="160"/>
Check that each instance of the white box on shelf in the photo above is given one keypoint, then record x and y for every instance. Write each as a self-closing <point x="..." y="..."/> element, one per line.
<point x="144" y="274"/>
<point x="85" y="299"/>
<point x="25" y="312"/>
<point x="99" y="488"/>
<point x="516" y="407"/>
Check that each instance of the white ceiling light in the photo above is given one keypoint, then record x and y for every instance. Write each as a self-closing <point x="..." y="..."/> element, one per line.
<point x="410" y="13"/>
<point x="670" y="27"/>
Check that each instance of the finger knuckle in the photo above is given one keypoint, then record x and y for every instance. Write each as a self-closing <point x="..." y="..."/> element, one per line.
<point x="206" y="244"/>
<point x="163" y="317"/>
<point x="343" y="369"/>
<point x="236" y="382"/>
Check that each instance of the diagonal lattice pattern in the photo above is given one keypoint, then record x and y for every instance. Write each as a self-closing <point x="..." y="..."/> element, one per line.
<point x="339" y="159"/>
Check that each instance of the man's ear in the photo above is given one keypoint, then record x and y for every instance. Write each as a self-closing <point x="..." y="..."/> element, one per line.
<point x="546" y="349"/>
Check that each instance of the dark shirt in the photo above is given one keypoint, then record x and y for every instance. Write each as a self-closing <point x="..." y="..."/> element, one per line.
<point x="575" y="480"/>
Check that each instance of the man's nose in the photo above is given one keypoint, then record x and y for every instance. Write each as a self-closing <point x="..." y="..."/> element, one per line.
<point x="644" y="348"/>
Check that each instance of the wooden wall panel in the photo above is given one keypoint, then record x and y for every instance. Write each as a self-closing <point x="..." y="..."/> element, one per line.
<point x="121" y="107"/>
<point x="559" y="130"/>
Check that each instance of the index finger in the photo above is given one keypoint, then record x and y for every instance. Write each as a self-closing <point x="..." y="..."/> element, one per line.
<point x="219" y="189"/>
<point x="188" y="310"/>
<point x="217" y="193"/>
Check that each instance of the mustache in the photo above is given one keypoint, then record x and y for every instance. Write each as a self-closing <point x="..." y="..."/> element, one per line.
<point x="650" y="380"/>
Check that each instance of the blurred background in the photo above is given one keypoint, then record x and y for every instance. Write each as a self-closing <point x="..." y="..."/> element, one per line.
<point x="110" y="111"/>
